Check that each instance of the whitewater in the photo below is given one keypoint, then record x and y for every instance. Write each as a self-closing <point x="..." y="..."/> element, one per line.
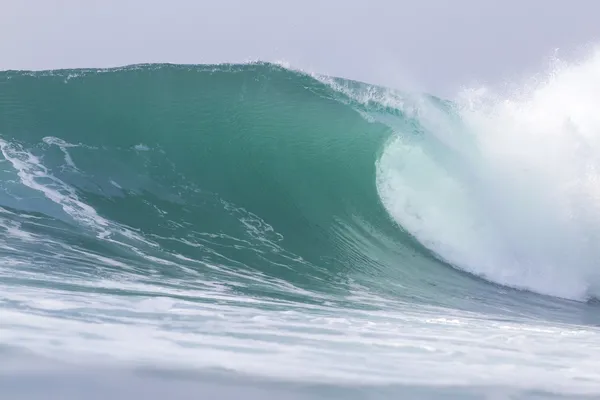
<point x="256" y="231"/>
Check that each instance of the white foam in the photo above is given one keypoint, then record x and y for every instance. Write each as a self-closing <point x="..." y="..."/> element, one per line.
<point x="62" y="145"/>
<point x="30" y="170"/>
<point x="514" y="194"/>
<point x="302" y="344"/>
<point x="141" y="147"/>
<point x="33" y="174"/>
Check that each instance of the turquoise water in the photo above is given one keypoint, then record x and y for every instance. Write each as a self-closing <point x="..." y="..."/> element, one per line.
<point x="296" y="235"/>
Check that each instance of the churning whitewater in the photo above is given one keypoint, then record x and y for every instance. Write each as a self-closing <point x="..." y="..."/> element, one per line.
<point x="269" y="222"/>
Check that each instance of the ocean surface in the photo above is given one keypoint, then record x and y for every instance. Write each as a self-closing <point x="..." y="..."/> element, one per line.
<point x="254" y="231"/>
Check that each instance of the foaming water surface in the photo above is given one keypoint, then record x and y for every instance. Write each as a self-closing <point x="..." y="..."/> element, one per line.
<point x="524" y="193"/>
<point x="231" y="229"/>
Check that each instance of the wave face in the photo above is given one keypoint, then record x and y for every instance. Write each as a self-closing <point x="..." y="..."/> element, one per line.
<point x="255" y="169"/>
<point x="230" y="207"/>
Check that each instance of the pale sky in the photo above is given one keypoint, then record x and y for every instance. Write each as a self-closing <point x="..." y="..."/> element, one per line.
<point x="431" y="45"/>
